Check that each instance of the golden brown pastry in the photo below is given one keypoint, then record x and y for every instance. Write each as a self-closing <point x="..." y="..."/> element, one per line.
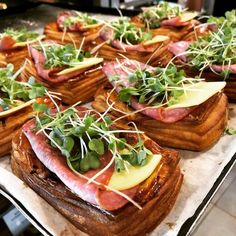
<point x="98" y="208"/>
<point x="75" y="77"/>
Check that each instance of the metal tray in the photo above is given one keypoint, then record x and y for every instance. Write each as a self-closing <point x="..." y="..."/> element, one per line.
<point x="204" y="171"/>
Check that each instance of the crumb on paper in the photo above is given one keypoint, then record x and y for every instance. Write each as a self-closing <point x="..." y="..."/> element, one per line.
<point x="171" y="225"/>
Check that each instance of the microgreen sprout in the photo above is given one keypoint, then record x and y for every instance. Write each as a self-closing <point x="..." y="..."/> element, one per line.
<point x="162" y="86"/>
<point x="62" y="55"/>
<point x="128" y="32"/>
<point x="84" y="136"/>
<point x="153" y="16"/>
<point x="13" y="92"/>
<point x="19" y="35"/>
<point x="216" y="48"/>
<point x="82" y="19"/>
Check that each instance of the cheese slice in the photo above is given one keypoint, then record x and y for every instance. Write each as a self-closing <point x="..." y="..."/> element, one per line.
<point x="15" y="109"/>
<point x="23" y="44"/>
<point x="189" y="15"/>
<point x="83" y="64"/>
<point x="135" y="175"/>
<point x="198" y="93"/>
<point x="156" y="39"/>
<point x="91" y="26"/>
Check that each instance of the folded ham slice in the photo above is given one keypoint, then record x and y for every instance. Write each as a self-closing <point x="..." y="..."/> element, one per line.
<point x="175" y="21"/>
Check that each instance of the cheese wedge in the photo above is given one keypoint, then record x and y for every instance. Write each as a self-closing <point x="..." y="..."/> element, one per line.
<point x="156" y="39"/>
<point x="189" y="15"/>
<point x="198" y="93"/>
<point x="128" y="179"/>
<point x="23" y="44"/>
<point x="15" y="109"/>
<point x="83" y="64"/>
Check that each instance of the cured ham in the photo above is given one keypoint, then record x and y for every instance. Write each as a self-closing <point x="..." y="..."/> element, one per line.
<point x="6" y="43"/>
<point x="175" y="21"/>
<point x="179" y="49"/>
<point x="162" y="114"/>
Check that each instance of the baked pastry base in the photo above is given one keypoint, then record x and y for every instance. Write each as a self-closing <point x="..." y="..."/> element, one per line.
<point x="51" y="32"/>
<point x="128" y="220"/>
<point x="16" y="57"/>
<point x="159" y="57"/>
<point x="80" y="88"/>
<point x="10" y="125"/>
<point x="198" y="131"/>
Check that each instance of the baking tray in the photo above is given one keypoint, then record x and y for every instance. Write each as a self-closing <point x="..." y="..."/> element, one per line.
<point x="204" y="171"/>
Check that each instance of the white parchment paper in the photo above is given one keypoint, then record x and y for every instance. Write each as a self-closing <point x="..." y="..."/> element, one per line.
<point x="200" y="169"/>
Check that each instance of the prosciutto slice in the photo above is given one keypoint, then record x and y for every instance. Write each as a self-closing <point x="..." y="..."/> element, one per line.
<point x="162" y="114"/>
<point x="7" y="43"/>
<point x="179" y="48"/>
<point x="220" y="68"/>
<point x="128" y="67"/>
<point x="56" y="163"/>
<point x="175" y="21"/>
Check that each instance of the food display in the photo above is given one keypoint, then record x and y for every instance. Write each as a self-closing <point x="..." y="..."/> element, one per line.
<point x="211" y="55"/>
<point x="155" y="81"/>
<point x="65" y="70"/>
<point x="73" y="27"/>
<point x="14" y="46"/>
<point x="174" y="110"/>
<point x="96" y="173"/>
<point x="16" y="99"/>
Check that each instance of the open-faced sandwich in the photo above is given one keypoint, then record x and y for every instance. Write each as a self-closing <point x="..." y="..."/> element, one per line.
<point x="167" y="19"/>
<point x="73" y="27"/>
<point x="16" y="99"/>
<point x="64" y="69"/>
<point x="212" y="56"/>
<point x="122" y="38"/>
<point x="14" y="46"/>
<point x="105" y="179"/>
<point x="172" y="109"/>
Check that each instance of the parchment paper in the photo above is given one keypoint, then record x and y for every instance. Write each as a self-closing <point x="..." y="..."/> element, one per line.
<point x="200" y="170"/>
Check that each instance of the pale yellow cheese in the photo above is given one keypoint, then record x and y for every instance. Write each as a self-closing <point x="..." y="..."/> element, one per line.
<point x="23" y="44"/>
<point x="91" y="26"/>
<point x="83" y="64"/>
<point x="189" y="15"/>
<point x="135" y="175"/>
<point x="156" y="39"/>
<point x="198" y="93"/>
<point x="15" y="109"/>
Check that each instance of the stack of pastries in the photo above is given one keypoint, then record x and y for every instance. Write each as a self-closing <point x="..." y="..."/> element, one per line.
<point x="102" y="167"/>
